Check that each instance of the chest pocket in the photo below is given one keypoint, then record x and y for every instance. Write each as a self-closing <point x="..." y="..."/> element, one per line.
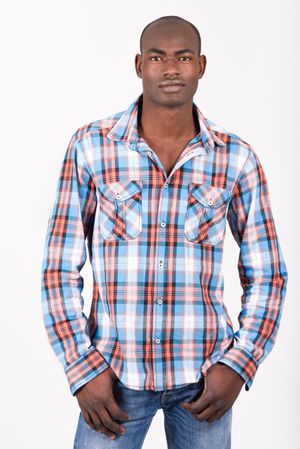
<point x="205" y="219"/>
<point x="121" y="210"/>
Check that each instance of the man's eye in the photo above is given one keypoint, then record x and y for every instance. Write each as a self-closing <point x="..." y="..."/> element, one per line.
<point x="158" y="57"/>
<point x="151" y="57"/>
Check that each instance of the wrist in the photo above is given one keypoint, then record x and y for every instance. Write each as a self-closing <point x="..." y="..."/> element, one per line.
<point x="232" y="370"/>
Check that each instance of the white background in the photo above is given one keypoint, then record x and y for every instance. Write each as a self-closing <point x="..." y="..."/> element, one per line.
<point x="67" y="63"/>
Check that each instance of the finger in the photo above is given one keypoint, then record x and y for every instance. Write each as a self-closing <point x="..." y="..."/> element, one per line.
<point x="201" y="403"/>
<point x="110" y="424"/>
<point x="88" y="419"/>
<point x="115" y="410"/>
<point x="196" y="406"/>
<point x="100" y="425"/>
<point x="205" y="414"/>
<point x="217" y="415"/>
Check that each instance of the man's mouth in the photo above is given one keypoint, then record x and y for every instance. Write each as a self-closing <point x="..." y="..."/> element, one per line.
<point x="171" y="86"/>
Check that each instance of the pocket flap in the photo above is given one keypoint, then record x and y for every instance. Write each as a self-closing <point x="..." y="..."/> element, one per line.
<point x="210" y="196"/>
<point x="121" y="190"/>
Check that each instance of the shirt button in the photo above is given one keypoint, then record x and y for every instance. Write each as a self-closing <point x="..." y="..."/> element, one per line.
<point x="149" y="153"/>
<point x="166" y="185"/>
<point x="210" y="202"/>
<point x="118" y="196"/>
<point x="157" y="340"/>
<point x="159" y="301"/>
<point x="163" y="224"/>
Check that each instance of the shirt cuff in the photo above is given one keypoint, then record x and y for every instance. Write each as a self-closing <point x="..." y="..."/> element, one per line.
<point x="240" y="361"/>
<point x="85" y="368"/>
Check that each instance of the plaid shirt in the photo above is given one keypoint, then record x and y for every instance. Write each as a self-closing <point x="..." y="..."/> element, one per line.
<point x="155" y="243"/>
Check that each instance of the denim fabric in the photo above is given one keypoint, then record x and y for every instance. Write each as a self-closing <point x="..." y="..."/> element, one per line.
<point x="182" y="430"/>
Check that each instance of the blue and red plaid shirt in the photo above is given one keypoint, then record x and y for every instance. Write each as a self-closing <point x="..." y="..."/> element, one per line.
<point x="155" y="243"/>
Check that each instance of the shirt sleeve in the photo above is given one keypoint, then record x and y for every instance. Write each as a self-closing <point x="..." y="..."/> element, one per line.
<point x="66" y="325"/>
<point x="262" y="271"/>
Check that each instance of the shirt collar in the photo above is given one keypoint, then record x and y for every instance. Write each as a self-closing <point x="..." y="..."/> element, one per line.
<point x="125" y="129"/>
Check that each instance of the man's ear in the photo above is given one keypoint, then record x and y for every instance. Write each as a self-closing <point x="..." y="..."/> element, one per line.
<point x="202" y="65"/>
<point x="138" y="61"/>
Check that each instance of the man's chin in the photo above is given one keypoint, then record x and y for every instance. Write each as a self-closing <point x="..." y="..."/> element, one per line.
<point x="171" y="100"/>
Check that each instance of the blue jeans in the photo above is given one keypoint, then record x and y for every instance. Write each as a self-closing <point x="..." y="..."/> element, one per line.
<point x="183" y="431"/>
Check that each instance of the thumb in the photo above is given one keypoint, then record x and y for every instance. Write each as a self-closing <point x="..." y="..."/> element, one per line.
<point x="187" y="405"/>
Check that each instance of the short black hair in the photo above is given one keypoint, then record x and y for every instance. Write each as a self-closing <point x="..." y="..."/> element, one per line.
<point x="173" y="19"/>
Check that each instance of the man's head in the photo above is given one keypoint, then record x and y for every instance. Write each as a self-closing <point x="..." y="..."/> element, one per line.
<point x="170" y="53"/>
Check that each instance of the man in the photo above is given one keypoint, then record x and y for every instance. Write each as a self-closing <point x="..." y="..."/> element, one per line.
<point x="150" y="189"/>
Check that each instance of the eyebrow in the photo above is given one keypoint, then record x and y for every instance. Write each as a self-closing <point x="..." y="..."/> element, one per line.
<point x="162" y="52"/>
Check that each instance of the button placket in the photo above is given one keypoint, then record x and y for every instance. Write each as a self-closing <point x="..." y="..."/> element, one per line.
<point x="186" y="157"/>
<point x="155" y="160"/>
<point x="160" y="274"/>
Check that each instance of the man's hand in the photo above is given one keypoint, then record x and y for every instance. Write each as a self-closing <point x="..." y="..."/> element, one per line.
<point x="98" y="404"/>
<point x="222" y="386"/>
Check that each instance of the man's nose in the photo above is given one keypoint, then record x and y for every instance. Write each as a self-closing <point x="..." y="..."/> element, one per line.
<point x="171" y="66"/>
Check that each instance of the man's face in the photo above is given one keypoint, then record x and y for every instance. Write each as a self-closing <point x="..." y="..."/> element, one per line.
<point x="170" y="54"/>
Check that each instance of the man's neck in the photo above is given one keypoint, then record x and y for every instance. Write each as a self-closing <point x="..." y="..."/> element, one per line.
<point x="166" y="124"/>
